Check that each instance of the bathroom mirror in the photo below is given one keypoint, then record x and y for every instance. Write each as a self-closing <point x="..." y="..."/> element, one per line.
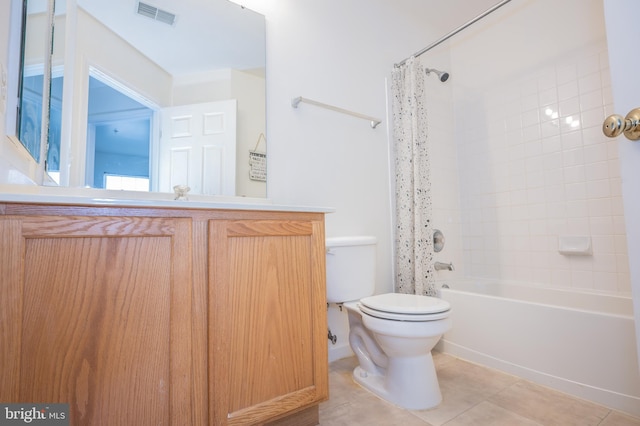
<point x="121" y="68"/>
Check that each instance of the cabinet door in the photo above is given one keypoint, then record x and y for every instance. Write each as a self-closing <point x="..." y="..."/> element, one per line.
<point x="95" y="312"/>
<point x="267" y="335"/>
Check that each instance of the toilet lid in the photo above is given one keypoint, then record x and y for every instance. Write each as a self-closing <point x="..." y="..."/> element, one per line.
<point x="405" y="304"/>
<point x="402" y="317"/>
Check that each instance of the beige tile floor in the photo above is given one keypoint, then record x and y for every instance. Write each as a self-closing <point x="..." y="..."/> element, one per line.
<point x="472" y="395"/>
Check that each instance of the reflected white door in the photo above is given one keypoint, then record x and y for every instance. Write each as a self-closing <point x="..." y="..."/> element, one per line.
<point x="198" y="148"/>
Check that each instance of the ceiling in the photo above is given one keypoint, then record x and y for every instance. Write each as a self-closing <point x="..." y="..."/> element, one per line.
<point x="442" y="16"/>
<point x="215" y="34"/>
<point x="450" y="14"/>
<point x="207" y="34"/>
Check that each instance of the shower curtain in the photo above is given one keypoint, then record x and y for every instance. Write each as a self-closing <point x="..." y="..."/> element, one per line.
<point x="414" y="228"/>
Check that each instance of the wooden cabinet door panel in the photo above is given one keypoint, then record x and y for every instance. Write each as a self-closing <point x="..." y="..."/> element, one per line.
<point x="103" y="317"/>
<point x="267" y="344"/>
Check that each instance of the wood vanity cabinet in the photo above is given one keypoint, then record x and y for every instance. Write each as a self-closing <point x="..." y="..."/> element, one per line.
<point x="154" y="316"/>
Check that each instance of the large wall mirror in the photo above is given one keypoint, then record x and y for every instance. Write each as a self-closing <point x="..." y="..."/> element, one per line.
<point x="149" y="94"/>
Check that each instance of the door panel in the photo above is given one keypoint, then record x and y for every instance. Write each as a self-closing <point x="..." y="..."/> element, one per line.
<point x="267" y="348"/>
<point x="198" y="148"/>
<point x="98" y="313"/>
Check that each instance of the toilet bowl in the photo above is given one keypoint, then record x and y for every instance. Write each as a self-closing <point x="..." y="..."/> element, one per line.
<point x="391" y="334"/>
<point x="394" y="355"/>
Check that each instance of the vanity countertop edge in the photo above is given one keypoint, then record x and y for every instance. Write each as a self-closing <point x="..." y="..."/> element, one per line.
<point x="109" y="198"/>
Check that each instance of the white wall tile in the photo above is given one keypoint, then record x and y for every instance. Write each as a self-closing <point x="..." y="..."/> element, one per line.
<point x="595" y="153"/>
<point x="602" y="225"/>
<point x="548" y="96"/>
<point x="540" y="167"/>
<point x="574" y="174"/>
<point x="605" y="281"/>
<point x="582" y="279"/>
<point x="571" y="140"/>
<point x="604" y="262"/>
<point x="573" y="157"/>
<point x="551" y="144"/>
<point x="577" y="226"/>
<point x="590" y="83"/>
<point x="591" y="99"/>
<point x="570" y="106"/>
<point x="568" y="90"/>
<point x="577" y="208"/>
<point x="588" y="64"/>
<point x="598" y="189"/>
<point x="600" y="207"/>
<point x="603" y="244"/>
<point x="596" y="171"/>
<point x="592" y="117"/>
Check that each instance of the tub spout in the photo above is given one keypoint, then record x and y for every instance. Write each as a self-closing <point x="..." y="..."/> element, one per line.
<point x="440" y="266"/>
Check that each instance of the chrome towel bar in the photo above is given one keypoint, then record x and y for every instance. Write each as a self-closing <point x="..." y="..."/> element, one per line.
<point x="296" y="101"/>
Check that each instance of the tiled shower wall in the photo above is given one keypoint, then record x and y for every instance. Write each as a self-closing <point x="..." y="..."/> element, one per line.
<point x="525" y="160"/>
<point x="524" y="163"/>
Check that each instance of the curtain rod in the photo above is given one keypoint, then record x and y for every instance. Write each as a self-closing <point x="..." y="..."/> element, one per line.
<point x="456" y="31"/>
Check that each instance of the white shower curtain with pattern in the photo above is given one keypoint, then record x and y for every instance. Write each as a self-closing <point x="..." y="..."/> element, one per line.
<point x="414" y="228"/>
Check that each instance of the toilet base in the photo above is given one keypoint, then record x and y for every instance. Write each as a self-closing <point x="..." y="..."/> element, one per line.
<point x="409" y="382"/>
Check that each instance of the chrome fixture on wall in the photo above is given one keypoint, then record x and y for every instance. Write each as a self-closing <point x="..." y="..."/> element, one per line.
<point x="441" y="266"/>
<point x="614" y="125"/>
<point x="442" y="75"/>
<point x="438" y="240"/>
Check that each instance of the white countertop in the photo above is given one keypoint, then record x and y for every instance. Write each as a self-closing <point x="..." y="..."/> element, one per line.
<point x="103" y="197"/>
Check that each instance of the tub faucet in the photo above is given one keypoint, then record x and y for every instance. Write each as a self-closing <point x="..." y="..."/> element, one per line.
<point x="441" y="266"/>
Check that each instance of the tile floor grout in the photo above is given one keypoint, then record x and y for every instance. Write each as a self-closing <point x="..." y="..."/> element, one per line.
<point x="472" y="395"/>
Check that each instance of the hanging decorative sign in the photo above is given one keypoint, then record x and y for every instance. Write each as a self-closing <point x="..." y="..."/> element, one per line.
<point x="258" y="162"/>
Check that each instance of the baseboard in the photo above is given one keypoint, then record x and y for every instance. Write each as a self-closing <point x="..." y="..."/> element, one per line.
<point x="339" y="351"/>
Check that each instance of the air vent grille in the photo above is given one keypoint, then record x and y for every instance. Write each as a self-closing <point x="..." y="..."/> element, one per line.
<point x="156" y="14"/>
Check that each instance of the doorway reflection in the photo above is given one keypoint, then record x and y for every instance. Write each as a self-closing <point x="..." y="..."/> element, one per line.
<point x="118" y="140"/>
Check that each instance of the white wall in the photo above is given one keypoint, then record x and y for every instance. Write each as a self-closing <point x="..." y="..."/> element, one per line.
<point x="622" y="32"/>
<point x="526" y="178"/>
<point x="339" y="53"/>
<point x="325" y="52"/>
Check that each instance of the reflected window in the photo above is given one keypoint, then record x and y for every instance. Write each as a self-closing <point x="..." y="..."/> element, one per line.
<point x="127" y="183"/>
<point x="35" y="25"/>
<point x="55" y="128"/>
<point x="38" y="94"/>
<point x="30" y="124"/>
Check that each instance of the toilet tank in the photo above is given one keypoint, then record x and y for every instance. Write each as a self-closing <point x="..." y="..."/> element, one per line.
<point x="351" y="268"/>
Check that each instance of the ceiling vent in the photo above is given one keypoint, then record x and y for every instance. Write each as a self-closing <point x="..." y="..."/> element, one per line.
<point x="156" y="14"/>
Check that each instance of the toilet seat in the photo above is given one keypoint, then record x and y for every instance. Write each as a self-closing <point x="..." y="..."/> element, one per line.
<point x="405" y="307"/>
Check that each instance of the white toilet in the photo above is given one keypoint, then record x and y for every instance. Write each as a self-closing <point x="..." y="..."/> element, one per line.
<point x="391" y="334"/>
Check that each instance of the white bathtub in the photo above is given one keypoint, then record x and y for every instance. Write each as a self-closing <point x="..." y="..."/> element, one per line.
<point x="576" y="342"/>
